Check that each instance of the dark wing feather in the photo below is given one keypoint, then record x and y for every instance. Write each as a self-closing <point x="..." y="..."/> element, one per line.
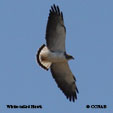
<point x="55" y="31"/>
<point x="65" y="79"/>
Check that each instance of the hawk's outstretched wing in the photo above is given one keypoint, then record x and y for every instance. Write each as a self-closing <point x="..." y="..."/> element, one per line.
<point x="65" y="79"/>
<point x="55" y="31"/>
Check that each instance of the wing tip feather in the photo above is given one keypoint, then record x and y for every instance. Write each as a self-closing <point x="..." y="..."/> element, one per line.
<point x="56" y="10"/>
<point x="72" y="97"/>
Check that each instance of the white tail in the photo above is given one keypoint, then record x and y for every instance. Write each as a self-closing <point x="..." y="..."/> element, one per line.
<point x="46" y="65"/>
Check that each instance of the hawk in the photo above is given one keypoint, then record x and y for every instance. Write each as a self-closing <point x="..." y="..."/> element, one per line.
<point x="53" y="55"/>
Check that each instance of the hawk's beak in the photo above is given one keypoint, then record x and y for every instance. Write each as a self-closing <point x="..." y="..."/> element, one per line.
<point x="73" y="58"/>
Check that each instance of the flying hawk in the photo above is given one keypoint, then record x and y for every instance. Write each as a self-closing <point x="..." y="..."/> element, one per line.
<point x="54" y="56"/>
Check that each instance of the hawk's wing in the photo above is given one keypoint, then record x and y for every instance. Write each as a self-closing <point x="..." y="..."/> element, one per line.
<point x="55" y="31"/>
<point x="65" y="79"/>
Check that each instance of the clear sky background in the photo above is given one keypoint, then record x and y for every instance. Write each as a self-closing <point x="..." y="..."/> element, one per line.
<point x="89" y="26"/>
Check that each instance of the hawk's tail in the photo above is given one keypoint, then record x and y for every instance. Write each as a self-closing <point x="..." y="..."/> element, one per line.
<point x="44" y="64"/>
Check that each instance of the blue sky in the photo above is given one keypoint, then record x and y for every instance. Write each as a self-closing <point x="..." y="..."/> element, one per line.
<point x="89" y="38"/>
